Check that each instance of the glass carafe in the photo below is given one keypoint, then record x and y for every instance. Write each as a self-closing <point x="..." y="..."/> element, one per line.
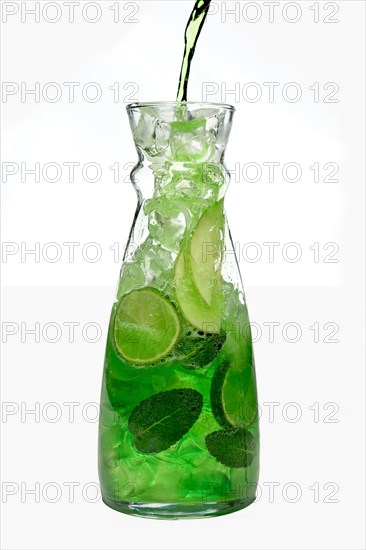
<point x="178" y="434"/>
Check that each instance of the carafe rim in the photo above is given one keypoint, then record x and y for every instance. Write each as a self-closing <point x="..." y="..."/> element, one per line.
<point x="204" y="104"/>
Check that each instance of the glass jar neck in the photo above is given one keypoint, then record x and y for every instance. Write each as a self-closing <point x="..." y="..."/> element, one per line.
<point x="192" y="133"/>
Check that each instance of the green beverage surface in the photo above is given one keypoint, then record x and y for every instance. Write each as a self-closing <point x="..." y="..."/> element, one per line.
<point x="193" y="30"/>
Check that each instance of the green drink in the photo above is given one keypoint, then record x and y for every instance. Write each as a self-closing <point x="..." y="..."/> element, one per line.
<point x="178" y="433"/>
<point x="179" y="424"/>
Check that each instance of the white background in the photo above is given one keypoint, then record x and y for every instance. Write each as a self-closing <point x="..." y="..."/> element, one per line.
<point x="300" y="448"/>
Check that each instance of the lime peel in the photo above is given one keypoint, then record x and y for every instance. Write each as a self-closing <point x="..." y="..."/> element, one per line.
<point x="146" y="327"/>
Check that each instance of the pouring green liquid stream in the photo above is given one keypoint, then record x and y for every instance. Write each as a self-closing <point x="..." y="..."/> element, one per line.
<point x="193" y="30"/>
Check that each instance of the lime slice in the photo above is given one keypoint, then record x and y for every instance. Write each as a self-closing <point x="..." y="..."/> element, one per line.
<point x="206" y="251"/>
<point x="234" y="395"/>
<point x="146" y="326"/>
<point x="192" y="305"/>
<point x="197" y="273"/>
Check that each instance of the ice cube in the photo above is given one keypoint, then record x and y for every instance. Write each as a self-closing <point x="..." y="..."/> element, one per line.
<point x="168" y="219"/>
<point x="162" y="135"/>
<point x="152" y="135"/>
<point x="215" y="120"/>
<point x="191" y="142"/>
<point x="132" y="277"/>
<point x="143" y="134"/>
<point x="153" y="259"/>
<point x="203" y="113"/>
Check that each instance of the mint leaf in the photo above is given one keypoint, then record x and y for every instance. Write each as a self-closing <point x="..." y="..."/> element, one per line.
<point x="196" y="349"/>
<point x="233" y="447"/>
<point x="161" y="420"/>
